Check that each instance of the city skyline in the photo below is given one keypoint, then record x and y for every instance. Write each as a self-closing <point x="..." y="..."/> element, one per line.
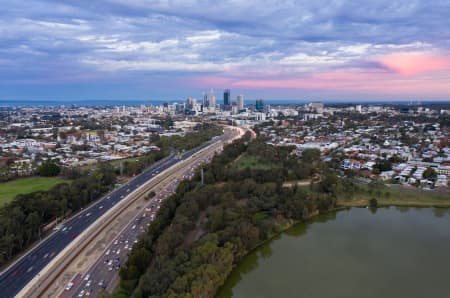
<point x="385" y="50"/>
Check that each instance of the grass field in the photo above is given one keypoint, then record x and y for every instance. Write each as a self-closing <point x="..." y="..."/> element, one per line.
<point x="8" y="190"/>
<point x="252" y="162"/>
<point x="400" y="196"/>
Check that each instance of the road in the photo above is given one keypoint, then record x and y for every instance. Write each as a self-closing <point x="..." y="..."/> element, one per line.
<point x="104" y="272"/>
<point x="20" y="273"/>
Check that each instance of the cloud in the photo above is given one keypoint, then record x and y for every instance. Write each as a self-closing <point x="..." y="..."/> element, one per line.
<point x="246" y="44"/>
<point x="413" y="63"/>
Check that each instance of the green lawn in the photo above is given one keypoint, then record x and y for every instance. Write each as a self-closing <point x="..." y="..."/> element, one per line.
<point x="399" y="196"/>
<point x="252" y="162"/>
<point x="8" y="190"/>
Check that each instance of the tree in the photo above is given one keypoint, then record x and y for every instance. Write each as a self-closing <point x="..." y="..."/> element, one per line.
<point x="373" y="203"/>
<point x="49" y="168"/>
<point x="429" y="173"/>
<point x="310" y="155"/>
<point x="383" y="165"/>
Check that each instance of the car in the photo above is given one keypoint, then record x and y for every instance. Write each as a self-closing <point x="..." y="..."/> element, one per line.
<point x="88" y="284"/>
<point x="69" y="286"/>
<point x="100" y="207"/>
<point x="108" y="252"/>
<point x="81" y="293"/>
<point x="118" y="251"/>
<point x="110" y="268"/>
<point x="88" y="214"/>
<point x="87" y="277"/>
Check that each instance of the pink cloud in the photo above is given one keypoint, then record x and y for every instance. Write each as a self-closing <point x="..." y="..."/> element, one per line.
<point x="379" y="82"/>
<point x="420" y="74"/>
<point x="415" y="63"/>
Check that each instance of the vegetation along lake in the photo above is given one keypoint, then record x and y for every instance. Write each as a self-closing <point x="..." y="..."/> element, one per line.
<point x="385" y="252"/>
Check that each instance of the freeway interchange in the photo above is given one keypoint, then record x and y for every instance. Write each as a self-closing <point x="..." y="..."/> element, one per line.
<point x="28" y="267"/>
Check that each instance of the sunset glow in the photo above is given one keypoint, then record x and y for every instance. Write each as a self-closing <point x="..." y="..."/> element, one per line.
<point x="279" y="49"/>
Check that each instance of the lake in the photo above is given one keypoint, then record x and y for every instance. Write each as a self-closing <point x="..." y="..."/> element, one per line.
<point x="387" y="252"/>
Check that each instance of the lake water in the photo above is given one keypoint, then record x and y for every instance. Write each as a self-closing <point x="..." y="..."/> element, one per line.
<point x="387" y="252"/>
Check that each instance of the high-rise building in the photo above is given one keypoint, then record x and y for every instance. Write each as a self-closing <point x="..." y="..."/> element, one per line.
<point x="189" y="103"/>
<point x="240" y="102"/>
<point x="212" y="99"/>
<point x="227" y="99"/>
<point x="205" y="100"/>
<point x="259" y="105"/>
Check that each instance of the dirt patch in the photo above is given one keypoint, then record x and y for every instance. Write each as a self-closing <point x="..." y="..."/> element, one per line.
<point x="195" y="234"/>
<point x="299" y="183"/>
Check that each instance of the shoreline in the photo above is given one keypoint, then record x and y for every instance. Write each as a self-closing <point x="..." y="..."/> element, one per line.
<point x="362" y="203"/>
<point x="391" y="203"/>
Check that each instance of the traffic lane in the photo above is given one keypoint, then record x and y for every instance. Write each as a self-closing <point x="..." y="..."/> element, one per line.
<point x="109" y="263"/>
<point x="107" y="266"/>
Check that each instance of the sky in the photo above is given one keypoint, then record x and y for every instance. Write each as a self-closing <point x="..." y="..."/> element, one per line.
<point x="272" y="49"/>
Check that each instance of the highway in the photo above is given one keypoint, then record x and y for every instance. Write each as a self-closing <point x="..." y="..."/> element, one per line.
<point x="104" y="272"/>
<point x="20" y="273"/>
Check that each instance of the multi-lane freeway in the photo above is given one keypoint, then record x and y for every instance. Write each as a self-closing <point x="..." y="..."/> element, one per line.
<point x="104" y="272"/>
<point x="20" y="273"/>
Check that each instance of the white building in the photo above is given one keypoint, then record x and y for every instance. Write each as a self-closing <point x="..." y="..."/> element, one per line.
<point x="240" y="102"/>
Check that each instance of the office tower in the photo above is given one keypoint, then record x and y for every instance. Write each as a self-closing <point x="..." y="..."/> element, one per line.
<point x="240" y="102"/>
<point x="205" y="100"/>
<point x="179" y="108"/>
<point x="226" y="100"/>
<point x="259" y="106"/>
<point x="189" y="103"/>
<point x="212" y="99"/>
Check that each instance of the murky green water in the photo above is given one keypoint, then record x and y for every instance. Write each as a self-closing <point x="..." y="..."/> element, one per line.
<point x="390" y="252"/>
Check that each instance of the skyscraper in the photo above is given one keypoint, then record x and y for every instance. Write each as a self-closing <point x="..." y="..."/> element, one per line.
<point x="189" y="103"/>
<point x="212" y="99"/>
<point x="205" y="100"/>
<point x="259" y="106"/>
<point x="240" y="102"/>
<point x="227" y="99"/>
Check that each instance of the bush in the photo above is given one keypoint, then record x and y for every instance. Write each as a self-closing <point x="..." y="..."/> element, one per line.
<point x="373" y="203"/>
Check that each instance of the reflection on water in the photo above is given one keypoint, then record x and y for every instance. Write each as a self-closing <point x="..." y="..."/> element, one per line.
<point x="359" y="252"/>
